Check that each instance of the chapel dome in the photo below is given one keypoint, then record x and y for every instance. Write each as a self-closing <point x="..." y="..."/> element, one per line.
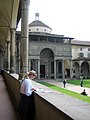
<point x="39" y="26"/>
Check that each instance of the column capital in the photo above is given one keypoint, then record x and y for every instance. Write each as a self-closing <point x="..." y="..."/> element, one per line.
<point x="38" y="59"/>
<point x="12" y="29"/>
<point x="26" y="1"/>
<point x="8" y="41"/>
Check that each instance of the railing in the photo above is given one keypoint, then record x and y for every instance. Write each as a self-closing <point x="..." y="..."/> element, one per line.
<point x="44" y="110"/>
<point x="49" y="105"/>
<point x="13" y="86"/>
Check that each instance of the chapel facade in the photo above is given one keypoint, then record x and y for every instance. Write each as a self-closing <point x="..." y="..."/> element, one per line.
<point x="48" y="54"/>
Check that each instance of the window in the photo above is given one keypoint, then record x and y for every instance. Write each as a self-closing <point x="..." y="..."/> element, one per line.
<point x="88" y="49"/>
<point x="59" y="67"/>
<point x="88" y="55"/>
<point x="81" y="55"/>
<point x="33" y="38"/>
<point x="80" y="49"/>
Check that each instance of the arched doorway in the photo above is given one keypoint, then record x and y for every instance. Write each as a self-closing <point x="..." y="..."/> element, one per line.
<point x="46" y="59"/>
<point x="85" y="69"/>
<point x="67" y="68"/>
<point x="76" y="72"/>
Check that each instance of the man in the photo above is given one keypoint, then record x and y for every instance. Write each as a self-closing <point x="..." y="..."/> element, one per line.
<point x="26" y="104"/>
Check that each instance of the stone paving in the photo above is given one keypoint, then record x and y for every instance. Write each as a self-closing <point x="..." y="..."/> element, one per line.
<point x="6" y="108"/>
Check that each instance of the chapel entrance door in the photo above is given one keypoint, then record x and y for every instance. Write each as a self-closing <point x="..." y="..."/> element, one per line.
<point x="42" y="71"/>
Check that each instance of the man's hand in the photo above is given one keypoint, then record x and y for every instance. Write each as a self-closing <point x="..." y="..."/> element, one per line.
<point x="33" y="90"/>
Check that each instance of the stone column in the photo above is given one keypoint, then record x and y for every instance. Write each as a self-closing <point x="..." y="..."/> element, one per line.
<point x="49" y="64"/>
<point x="63" y="74"/>
<point x="38" y="68"/>
<point x="35" y="68"/>
<point x="12" y="48"/>
<point x="54" y="69"/>
<point x="29" y="64"/>
<point x="80" y="69"/>
<point x="18" y="56"/>
<point x="24" y="38"/>
<point x="8" y="55"/>
<point x="8" y="51"/>
<point x="70" y="68"/>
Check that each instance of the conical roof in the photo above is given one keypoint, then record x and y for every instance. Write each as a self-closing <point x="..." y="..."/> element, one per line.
<point x="38" y="23"/>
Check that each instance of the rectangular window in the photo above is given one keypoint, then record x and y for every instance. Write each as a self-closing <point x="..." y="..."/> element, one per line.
<point x="81" y="55"/>
<point x="80" y="49"/>
<point x="59" y="67"/>
<point x="88" y="49"/>
<point x="88" y="55"/>
<point x="73" y="71"/>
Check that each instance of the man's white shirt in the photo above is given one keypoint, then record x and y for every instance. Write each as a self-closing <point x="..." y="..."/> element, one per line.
<point x="26" y="87"/>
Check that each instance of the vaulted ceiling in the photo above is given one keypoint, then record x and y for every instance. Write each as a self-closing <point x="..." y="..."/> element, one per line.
<point x="9" y="11"/>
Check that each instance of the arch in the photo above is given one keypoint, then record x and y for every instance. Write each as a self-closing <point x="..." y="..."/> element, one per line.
<point x="85" y="69"/>
<point x="4" y="26"/>
<point x="76" y="65"/>
<point x="67" y="68"/>
<point x="4" y="19"/>
<point x="76" y="69"/>
<point x="46" y="60"/>
<point x="46" y="53"/>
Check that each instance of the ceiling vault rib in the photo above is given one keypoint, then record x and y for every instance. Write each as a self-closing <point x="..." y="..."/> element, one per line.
<point x="5" y="18"/>
<point x="12" y="10"/>
<point x="4" y="26"/>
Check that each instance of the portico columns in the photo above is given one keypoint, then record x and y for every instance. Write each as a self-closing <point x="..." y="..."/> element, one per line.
<point x="38" y="68"/>
<point x="12" y="56"/>
<point x="54" y="69"/>
<point x="63" y="74"/>
<point x="80" y="70"/>
<point x="70" y="68"/>
<point x="8" y="55"/>
<point x="8" y="52"/>
<point x="24" y="38"/>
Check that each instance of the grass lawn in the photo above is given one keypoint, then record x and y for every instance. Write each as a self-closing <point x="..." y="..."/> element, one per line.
<point x="68" y="92"/>
<point x="86" y="82"/>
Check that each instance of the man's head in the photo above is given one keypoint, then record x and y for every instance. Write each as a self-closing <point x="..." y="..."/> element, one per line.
<point x="32" y="74"/>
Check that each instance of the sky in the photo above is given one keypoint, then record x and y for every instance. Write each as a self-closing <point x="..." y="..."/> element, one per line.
<point x="70" y="18"/>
